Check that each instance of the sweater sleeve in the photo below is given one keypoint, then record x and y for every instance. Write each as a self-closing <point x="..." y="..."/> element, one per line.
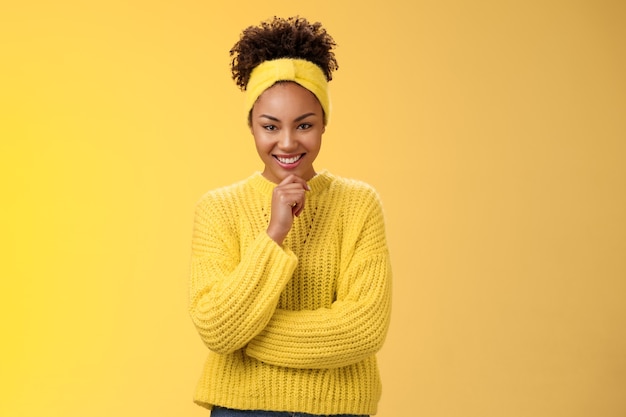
<point x="355" y="325"/>
<point x="233" y="295"/>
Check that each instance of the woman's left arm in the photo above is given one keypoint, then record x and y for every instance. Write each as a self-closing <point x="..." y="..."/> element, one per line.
<point x="355" y="325"/>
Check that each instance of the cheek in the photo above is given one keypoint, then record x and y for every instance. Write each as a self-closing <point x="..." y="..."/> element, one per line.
<point x="314" y="142"/>
<point x="262" y="144"/>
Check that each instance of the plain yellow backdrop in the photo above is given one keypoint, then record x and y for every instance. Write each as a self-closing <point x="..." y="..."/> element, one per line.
<point x="495" y="132"/>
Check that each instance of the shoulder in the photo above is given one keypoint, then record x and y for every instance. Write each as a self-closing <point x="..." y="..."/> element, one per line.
<point x="354" y="200"/>
<point x="355" y="189"/>
<point x="225" y="201"/>
<point x="223" y="193"/>
<point x="358" y="207"/>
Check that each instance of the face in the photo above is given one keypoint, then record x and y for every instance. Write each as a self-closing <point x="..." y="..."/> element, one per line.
<point x="287" y="123"/>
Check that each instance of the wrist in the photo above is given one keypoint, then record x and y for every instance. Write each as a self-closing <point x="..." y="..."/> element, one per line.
<point x="276" y="236"/>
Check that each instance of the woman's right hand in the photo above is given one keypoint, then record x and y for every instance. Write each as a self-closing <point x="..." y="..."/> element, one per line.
<point x="287" y="201"/>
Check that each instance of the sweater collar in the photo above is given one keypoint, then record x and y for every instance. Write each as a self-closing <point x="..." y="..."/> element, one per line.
<point x="318" y="183"/>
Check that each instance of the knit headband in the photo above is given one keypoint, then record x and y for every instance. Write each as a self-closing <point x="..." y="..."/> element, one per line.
<point x="300" y="71"/>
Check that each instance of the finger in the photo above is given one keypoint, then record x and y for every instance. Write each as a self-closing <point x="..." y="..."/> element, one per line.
<point x="299" y="205"/>
<point x="289" y="193"/>
<point x="294" y="200"/>
<point x="294" y="179"/>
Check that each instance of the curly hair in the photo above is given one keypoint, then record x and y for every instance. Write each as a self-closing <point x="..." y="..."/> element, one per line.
<point x="293" y="37"/>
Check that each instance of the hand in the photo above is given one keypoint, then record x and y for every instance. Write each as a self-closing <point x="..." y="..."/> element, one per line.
<point x="287" y="201"/>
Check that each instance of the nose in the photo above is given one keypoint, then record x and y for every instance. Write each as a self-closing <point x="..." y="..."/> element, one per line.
<point x="287" y="141"/>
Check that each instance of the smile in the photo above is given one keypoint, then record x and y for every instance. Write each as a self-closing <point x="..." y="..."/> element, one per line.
<point x="288" y="160"/>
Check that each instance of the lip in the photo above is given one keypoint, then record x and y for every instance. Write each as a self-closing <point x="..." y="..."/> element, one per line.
<point x="291" y="165"/>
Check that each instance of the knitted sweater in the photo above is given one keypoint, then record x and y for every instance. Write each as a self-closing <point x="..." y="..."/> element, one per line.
<point x="292" y="327"/>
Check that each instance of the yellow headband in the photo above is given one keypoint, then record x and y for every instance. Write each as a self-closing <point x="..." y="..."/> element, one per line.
<point x="300" y="71"/>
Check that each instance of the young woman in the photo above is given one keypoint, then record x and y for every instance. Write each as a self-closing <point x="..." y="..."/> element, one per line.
<point x="290" y="276"/>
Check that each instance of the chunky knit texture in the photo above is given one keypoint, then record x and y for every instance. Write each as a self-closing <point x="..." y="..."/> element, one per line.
<point x="291" y="328"/>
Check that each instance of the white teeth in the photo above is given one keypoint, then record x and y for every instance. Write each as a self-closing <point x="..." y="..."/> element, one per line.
<point x="288" y="160"/>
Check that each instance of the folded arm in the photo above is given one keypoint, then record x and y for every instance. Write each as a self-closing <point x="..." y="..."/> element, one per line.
<point x="355" y="325"/>
<point x="233" y="296"/>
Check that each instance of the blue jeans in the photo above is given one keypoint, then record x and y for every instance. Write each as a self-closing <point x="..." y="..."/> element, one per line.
<point x="227" y="412"/>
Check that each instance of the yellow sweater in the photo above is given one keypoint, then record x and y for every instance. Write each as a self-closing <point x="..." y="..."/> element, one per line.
<point x="291" y="328"/>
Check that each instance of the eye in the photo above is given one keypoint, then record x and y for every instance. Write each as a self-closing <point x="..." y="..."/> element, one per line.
<point x="304" y="126"/>
<point x="270" y="128"/>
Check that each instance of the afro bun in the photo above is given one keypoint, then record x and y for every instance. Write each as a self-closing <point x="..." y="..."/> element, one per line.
<point x="293" y="37"/>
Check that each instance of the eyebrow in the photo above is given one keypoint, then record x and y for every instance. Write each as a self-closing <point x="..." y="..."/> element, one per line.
<point x="297" y="119"/>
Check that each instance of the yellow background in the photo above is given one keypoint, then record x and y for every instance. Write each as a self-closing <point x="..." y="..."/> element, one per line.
<point x="495" y="132"/>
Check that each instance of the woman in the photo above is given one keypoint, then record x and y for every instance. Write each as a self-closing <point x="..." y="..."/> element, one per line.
<point x="290" y="276"/>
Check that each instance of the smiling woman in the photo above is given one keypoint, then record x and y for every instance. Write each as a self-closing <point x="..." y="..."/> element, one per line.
<point x="290" y="276"/>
